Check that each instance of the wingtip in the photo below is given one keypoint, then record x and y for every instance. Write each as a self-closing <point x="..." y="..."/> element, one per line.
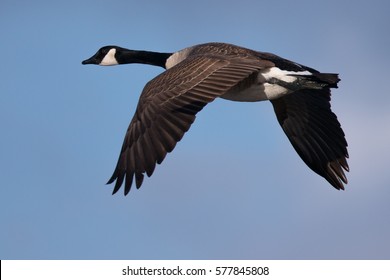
<point x="118" y="185"/>
<point x="139" y="178"/>
<point x="110" y="181"/>
<point x="336" y="176"/>
<point x="336" y="183"/>
<point x="340" y="186"/>
<point x="118" y="178"/>
<point x="113" y="177"/>
<point x="128" y="183"/>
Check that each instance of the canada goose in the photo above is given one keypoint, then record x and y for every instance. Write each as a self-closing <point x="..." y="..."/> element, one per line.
<point x="197" y="75"/>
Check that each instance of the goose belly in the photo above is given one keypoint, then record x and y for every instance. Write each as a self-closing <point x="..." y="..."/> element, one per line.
<point x="260" y="90"/>
<point x="251" y="94"/>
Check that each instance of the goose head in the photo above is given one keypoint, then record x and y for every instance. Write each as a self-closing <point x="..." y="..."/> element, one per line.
<point x="106" y="56"/>
<point x="113" y="55"/>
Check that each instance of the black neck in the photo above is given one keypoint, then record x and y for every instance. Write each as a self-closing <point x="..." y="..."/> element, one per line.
<point x="144" y="57"/>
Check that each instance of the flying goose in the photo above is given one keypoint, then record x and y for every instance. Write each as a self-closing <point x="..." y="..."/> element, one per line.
<point x="196" y="75"/>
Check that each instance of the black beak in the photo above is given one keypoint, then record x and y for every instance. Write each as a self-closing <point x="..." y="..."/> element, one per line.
<point x="91" y="60"/>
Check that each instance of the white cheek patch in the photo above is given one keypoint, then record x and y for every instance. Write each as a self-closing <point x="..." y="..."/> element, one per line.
<point x="109" y="58"/>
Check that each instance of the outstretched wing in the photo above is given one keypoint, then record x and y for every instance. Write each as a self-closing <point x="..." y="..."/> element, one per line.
<point x="315" y="133"/>
<point x="167" y="108"/>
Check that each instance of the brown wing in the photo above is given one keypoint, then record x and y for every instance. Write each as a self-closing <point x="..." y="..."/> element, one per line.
<point x="167" y="108"/>
<point x="315" y="133"/>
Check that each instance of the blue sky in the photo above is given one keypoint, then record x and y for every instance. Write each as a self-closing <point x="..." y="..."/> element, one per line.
<point x="233" y="188"/>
